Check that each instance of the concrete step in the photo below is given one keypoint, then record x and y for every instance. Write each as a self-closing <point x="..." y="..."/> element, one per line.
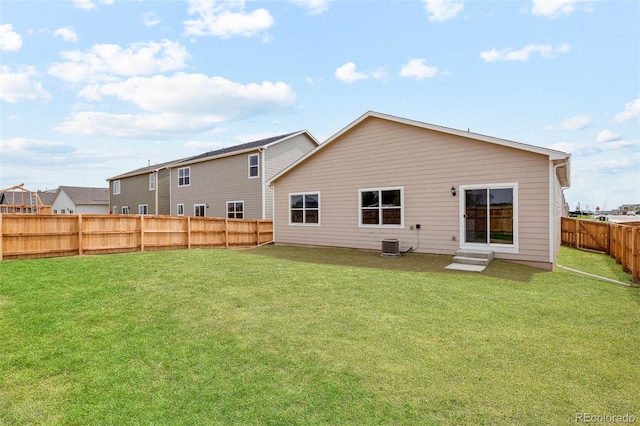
<point x="463" y="267"/>
<point x="481" y="254"/>
<point x="471" y="260"/>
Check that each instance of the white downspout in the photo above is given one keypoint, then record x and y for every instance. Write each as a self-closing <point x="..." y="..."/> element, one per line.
<point x="263" y="180"/>
<point x="552" y="217"/>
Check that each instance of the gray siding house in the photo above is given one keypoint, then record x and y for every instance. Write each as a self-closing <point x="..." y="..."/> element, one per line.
<point x="141" y="191"/>
<point x="434" y="189"/>
<point x="232" y="182"/>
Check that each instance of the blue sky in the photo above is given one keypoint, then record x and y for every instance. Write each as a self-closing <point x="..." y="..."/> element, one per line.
<point x="90" y="89"/>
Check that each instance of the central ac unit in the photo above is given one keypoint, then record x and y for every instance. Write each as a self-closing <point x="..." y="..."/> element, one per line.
<point x="390" y="247"/>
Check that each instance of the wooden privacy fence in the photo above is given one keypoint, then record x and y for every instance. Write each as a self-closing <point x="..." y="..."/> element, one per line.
<point x="24" y="236"/>
<point x="619" y="240"/>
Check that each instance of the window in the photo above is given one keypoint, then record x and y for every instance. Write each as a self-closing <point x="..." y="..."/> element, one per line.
<point x="180" y="209"/>
<point x="143" y="209"/>
<point x="254" y="166"/>
<point x="55" y="211"/>
<point x="114" y="210"/>
<point x="116" y="187"/>
<point x="304" y="208"/>
<point x="382" y="207"/>
<point x="199" y="210"/>
<point x="184" y="176"/>
<point x="152" y="182"/>
<point x="235" y="209"/>
<point x="125" y="209"/>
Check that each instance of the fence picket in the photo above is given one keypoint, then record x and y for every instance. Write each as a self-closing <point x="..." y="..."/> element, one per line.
<point x="619" y="240"/>
<point x="50" y="235"/>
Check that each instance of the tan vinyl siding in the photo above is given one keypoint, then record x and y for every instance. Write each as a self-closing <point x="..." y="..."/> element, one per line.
<point x="278" y="157"/>
<point x="216" y="181"/>
<point x="380" y="153"/>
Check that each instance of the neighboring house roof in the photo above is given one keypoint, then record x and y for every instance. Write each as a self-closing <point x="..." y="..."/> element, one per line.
<point x="238" y="149"/>
<point x="561" y="157"/>
<point x="143" y="170"/>
<point x="47" y="196"/>
<point x="85" y="195"/>
<point x="210" y="155"/>
<point x="11" y="197"/>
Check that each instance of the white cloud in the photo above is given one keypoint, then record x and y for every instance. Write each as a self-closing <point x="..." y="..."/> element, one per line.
<point x="607" y="136"/>
<point x="9" y="39"/>
<point x="66" y="33"/>
<point x="417" y="68"/>
<point x="443" y="10"/>
<point x="180" y="104"/>
<point x="225" y="18"/>
<point x="201" y="94"/>
<point x="15" y="86"/>
<point x="104" y="61"/>
<point x="631" y="111"/>
<point x="545" y="50"/>
<point x="149" y="19"/>
<point x="348" y="73"/>
<point x="577" y="122"/>
<point x="593" y="147"/>
<point x="553" y="8"/>
<point x="89" y="4"/>
<point x="315" y="7"/>
<point x="136" y="125"/>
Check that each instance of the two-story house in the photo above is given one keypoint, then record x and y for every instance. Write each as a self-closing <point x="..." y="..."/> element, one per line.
<point x="232" y="182"/>
<point x="141" y="191"/>
<point x="229" y="182"/>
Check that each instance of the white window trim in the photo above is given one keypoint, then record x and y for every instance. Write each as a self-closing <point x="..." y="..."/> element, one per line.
<point x="498" y="248"/>
<point x="178" y="176"/>
<point x="123" y="209"/>
<point x="140" y="206"/>
<point x="178" y="209"/>
<point x="233" y="202"/>
<point x="152" y="182"/>
<point x="114" y="210"/>
<point x="195" y="206"/>
<point x="116" y="187"/>
<point x="387" y="188"/>
<point x="304" y="208"/>
<point x="256" y="166"/>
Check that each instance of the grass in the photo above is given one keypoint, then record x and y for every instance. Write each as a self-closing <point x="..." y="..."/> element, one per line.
<point x="284" y="335"/>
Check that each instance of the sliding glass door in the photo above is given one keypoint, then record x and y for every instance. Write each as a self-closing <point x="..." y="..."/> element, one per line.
<point x="488" y="215"/>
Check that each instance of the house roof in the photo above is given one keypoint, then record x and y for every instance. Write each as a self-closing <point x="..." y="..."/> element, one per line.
<point x="559" y="157"/>
<point x="143" y="170"/>
<point x="11" y="197"/>
<point x="238" y="149"/>
<point x="80" y="195"/>
<point x="219" y="153"/>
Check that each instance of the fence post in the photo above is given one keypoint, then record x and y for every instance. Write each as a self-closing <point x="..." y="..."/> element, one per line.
<point x="576" y="225"/>
<point x="141" y="232"/>
<point x="226" y="232"/>
<point x="189" y="232"/>
<point x="1" y="249"/>
<point x="257" y="232"/>
<point x="635" y="265"/>
<point x="79" y="234"/>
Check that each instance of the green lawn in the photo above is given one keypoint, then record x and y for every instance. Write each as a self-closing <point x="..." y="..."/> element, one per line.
<point x="284" y="335"/>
